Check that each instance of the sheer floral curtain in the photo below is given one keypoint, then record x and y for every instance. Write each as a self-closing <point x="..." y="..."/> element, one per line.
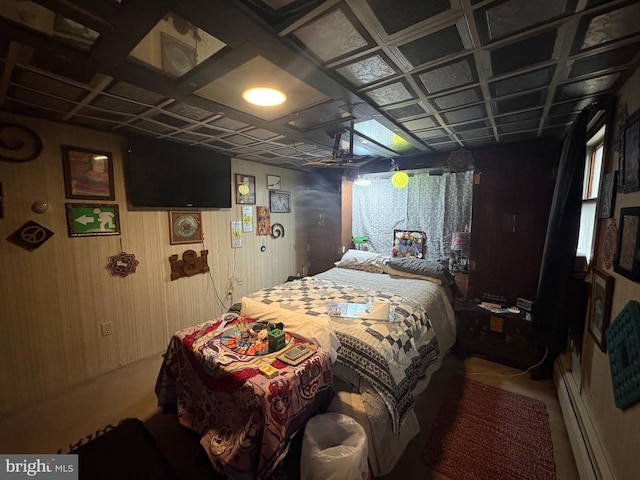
<point x="436" y="205"/>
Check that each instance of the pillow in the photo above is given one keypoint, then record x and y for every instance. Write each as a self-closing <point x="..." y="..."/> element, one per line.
<point x="393" y="273"/>
<point x="422" y="267"/>
<point x="363" y="260"/>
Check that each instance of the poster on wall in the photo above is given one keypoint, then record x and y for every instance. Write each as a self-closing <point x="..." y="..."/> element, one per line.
<point x="264" y="220"/>
<point x="247" y="219"/>
<point x="236" y="234"/>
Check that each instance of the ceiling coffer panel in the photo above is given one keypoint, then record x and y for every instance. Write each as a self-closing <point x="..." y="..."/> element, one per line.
<point x="408" y="77"/>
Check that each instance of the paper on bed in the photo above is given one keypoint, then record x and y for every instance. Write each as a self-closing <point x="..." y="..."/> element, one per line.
<point x="314" y="329"/>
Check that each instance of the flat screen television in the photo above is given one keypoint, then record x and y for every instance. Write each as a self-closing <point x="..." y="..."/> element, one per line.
<point x="162" y="174"/>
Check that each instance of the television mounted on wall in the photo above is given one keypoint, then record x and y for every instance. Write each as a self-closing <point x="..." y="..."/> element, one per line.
<point x="167" y="175"/>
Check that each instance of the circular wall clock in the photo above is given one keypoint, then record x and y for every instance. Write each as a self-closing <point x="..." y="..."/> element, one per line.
<point x="185" y="227"/>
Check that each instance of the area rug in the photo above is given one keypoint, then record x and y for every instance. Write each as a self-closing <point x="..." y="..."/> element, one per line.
<point x="485" y="433"/>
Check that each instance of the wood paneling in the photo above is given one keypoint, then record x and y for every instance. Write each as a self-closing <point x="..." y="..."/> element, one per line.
<point x="511" y="205"/>
<point x="54" y="299"/>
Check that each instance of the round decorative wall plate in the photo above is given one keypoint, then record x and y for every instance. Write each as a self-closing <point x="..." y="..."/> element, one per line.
<point x="185" y="227"/>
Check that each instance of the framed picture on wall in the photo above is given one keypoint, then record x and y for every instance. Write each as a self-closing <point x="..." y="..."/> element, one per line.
<point x="279" y="201"/>
<point x="86" y="219"/>
<point x="185" y="227"/>
<point x="629" y="158"/>
<point x="600" y="314"/>
<point x="88" y="174"/>
<point x="245" y="189"/>
<point x="608" y="195"/>
<point x="274" y="182"/>
<point x="627" y="259"/>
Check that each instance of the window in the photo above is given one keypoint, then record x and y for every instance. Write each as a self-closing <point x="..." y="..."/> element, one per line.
<point x="590" y="192"/>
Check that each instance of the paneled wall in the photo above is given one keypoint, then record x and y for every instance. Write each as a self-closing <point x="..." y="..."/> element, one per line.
<point x="54" y="299"/>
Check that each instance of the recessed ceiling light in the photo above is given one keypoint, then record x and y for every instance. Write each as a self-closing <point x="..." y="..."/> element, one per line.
<point x="264" y="96"/>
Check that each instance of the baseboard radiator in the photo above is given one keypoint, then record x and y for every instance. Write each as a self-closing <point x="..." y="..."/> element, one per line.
<point x="589" y="455"/>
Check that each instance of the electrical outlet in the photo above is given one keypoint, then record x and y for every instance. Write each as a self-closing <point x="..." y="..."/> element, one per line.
<point x="107" y="328"/>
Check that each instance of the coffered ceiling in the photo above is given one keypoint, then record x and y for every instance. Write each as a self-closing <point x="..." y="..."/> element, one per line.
<point x="408" y="76"/>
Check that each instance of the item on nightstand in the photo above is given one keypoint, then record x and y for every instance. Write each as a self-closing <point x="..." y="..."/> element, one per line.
<point x="525" y="304"/>
<point x="491" y="298"/>
<point x="277" y="340"/>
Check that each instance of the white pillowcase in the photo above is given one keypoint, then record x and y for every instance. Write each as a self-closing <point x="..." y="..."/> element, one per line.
<point x="363" y="260"/>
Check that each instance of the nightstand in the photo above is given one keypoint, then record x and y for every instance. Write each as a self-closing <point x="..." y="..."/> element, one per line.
<point x="462" y="285"/>
<point x="506" y="337"/>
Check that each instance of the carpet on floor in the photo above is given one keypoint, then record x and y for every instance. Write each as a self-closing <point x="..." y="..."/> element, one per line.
<point x="486" y="433"/>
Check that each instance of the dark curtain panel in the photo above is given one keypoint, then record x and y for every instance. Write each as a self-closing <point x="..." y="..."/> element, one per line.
<point x="556" y="284"/>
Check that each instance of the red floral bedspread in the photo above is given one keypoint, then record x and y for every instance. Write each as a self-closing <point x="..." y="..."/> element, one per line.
<point x="246" y="419"/>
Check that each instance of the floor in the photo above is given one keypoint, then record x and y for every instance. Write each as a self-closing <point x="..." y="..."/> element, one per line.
<point x="59" y="423"/>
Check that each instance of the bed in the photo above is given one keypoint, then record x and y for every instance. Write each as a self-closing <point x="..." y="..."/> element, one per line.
<point x="380" y="365"/>
<point x="377" y="366"/>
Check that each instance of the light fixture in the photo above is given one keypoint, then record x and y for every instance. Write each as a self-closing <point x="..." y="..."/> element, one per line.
<point x="399" y="179"/>
<point x="460" y="243"/>
<point x="264" y="96"/>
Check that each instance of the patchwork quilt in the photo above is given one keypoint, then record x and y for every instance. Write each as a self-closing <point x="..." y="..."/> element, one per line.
<point x="391" y="355"/>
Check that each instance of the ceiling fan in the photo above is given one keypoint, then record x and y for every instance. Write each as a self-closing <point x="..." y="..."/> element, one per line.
<point x="341" y="157"/>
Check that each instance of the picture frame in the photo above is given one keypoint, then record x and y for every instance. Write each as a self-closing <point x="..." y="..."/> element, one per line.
<point x="279" y="201"/>
<point x="88" y="173"/>
<point x="245" y="189"/>
<point x="608" y="195"/>
<point x="629" y="155"/>
<point x="274" y="182"/>
<point x="408" y="243"/>
<point x="91" y="219"/>
<point x="185" y="227"/>
<point x="627" y="258"/>
<point x="600" y="307"/>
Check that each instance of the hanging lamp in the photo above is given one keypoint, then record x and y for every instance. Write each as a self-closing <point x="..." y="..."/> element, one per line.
<point x="399" y="179"/>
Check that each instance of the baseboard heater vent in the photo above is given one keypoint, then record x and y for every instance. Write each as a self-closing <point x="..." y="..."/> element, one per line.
<point x="590" y="458"/>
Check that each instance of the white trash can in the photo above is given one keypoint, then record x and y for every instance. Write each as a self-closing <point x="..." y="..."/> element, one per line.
<point x="334" y="447"/>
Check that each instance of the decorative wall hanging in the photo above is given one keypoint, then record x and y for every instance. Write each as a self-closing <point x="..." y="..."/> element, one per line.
<point x="245" y="189"/>
<point x="88" y="174"/>
<point x="236" y="234"/>
<point x="277" y="230"/>
<point x="601" y="295"/>
<point x="264" y="220"/>
<point x="623" y="340"/>
<point x="247" y="219"/>
<point x="30" y="236"/>
<point x="608" y="194"/>
<point x="185" y="227"/>
<point x="92" y="219"/>
<point x="18" y="143"/>
<point x="408" y="243"/>
<point x="273" y="182"/>
<point x="177" y="57"/>
<point x="627" y="259"/>
<point x="629" y="155"/>
<point x="190" y="264"/>
<point x="122" y="264"/>
<point x="279" y="201"/>
<point x="460" y="160"/>
<point x="609" y="248"/>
